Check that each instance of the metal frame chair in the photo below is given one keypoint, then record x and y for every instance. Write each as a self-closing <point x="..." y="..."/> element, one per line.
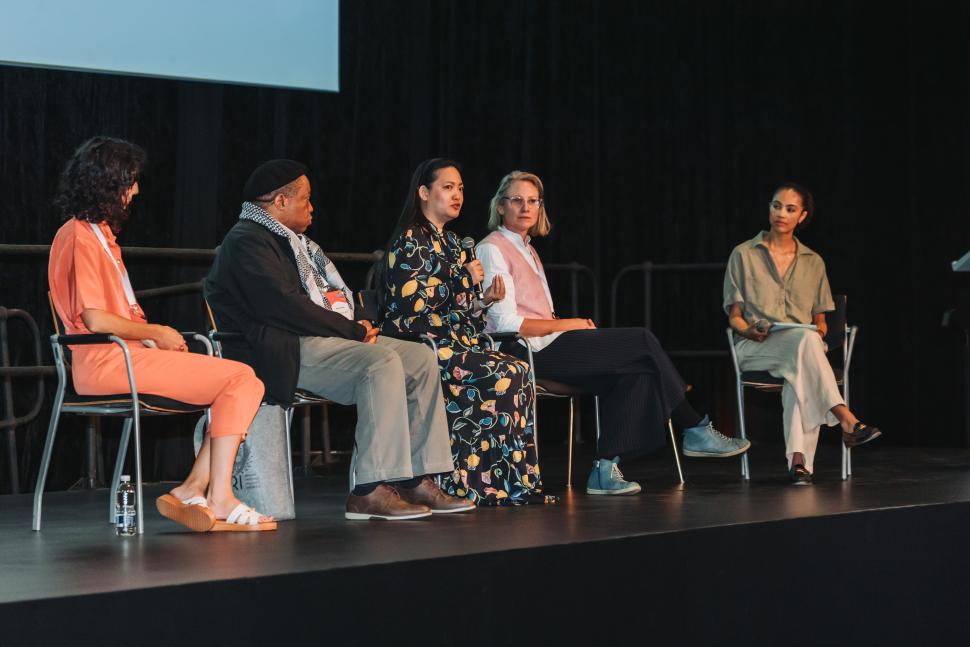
<point x="132" y="406"/>
<point x="301" y="398"/>
<point x="840" y="335"/>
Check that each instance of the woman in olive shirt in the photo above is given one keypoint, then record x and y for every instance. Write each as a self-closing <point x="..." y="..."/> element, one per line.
<point x="774" y="278"/>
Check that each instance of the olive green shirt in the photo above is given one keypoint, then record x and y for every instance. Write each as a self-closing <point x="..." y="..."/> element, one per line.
<point x="752" y="280"/>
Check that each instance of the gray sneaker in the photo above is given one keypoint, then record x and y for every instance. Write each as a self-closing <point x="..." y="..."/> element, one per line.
<point x="606" y="478"/>
<point x="704" y="441"/>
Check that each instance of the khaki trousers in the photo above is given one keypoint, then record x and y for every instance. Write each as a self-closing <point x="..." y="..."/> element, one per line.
<point x="402" y="430"/>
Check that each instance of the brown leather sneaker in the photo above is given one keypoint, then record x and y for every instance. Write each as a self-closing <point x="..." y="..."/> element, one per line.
<point x="429" y="494"/>
<point x="383" y="503"/>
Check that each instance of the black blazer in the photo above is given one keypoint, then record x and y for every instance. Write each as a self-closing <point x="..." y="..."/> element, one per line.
<point x="254" y="288"/>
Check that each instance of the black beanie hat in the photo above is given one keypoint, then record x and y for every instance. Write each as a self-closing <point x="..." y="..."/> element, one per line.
<point x="270" y="176"/>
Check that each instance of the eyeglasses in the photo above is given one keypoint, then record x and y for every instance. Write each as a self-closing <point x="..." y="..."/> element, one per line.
<point x="519" y="201"/>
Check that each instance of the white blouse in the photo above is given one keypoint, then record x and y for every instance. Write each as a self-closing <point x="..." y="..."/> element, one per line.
<point x="503" y="316"/>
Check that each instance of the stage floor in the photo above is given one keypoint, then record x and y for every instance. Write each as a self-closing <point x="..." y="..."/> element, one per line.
<point x="77" y="553"/>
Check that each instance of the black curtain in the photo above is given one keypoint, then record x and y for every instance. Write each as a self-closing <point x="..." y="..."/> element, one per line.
<point x="659" y="129"/>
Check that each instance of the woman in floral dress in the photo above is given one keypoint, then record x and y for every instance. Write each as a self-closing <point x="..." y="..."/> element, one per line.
<point x="429" y="285"/>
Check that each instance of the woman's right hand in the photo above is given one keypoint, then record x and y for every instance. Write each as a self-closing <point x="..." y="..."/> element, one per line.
<point x="754" y="333"/>
<point x="167" y="338"/>
<point x="477" y="272"/>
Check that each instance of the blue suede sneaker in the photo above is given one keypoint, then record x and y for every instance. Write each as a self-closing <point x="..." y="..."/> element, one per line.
<point x="606" y="478"/>
<point x="704" y="441"/>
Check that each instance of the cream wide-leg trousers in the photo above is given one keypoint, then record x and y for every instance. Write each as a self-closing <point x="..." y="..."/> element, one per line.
<point x="810" y="390"/>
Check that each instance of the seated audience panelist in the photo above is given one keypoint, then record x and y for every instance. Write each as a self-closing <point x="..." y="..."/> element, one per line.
<point x="638" y="385"/>
<point x="275" y="285"/>
<point x="92" y="294"/>
<point x="775" y="278"/>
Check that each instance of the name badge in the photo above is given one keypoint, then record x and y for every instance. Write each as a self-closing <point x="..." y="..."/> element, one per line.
<point x="339" y="304"/>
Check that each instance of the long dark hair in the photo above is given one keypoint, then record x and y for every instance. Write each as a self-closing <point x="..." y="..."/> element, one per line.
<point x="96" y="178"/>
<point x="411" y="217"/>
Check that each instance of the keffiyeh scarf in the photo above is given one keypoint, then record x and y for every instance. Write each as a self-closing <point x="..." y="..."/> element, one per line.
<point x="318" y="274"/>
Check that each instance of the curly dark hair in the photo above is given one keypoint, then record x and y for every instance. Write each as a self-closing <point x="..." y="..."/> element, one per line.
<point x="96" y="179"/>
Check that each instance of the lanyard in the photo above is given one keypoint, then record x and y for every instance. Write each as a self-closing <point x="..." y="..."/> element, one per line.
<point x="125" y="283"/>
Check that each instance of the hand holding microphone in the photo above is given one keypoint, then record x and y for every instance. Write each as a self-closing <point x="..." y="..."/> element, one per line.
<point x="474" y="266"/>
<point x="477" y="272"/>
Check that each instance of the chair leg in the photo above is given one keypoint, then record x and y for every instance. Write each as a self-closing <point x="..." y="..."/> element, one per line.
<point x="846" y="452"/>
<point x="745" y="468"/>
<point x="289" y="451"/>
<point x="596" y="404"/>
<point x="119" y="466"/>
<point x="305" y="440"/>
<point x="89" y="472"/>
<point x="673" y="445"/>
<point x="569" y="468"/>
<point x="45" y="461"/>
<point x="327" y="447"/>
<point x="140" y="510"/>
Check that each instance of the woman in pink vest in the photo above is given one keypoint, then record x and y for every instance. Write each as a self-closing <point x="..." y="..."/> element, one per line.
<point x="638" y="385"/>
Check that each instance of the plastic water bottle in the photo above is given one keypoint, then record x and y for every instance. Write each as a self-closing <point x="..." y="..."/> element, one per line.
<point x="125" y="509"/>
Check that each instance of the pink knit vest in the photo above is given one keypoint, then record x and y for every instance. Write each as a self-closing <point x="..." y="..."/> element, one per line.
<point x="530" y="296"/>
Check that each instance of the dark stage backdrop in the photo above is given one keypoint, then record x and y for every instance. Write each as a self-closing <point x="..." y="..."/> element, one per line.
<point x="659" y="128"/>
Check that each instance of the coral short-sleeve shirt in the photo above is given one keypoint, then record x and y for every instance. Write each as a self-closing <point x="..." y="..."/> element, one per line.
<point x="81" y="275"/>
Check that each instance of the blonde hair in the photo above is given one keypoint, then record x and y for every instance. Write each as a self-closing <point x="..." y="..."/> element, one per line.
<point x="542" y="226"/>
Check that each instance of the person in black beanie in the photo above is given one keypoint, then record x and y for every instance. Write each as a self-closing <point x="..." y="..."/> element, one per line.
<point x="277" y="287"/>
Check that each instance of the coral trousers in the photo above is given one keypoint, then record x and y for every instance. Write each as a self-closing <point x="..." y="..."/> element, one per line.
<point x="230" y="388"/>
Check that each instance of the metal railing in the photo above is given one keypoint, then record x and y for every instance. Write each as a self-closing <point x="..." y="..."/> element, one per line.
<point x="172" y="253"/>
<point x="575" y="271"/>
<point x="648" y="269"/>
<point x="10" y="421"/>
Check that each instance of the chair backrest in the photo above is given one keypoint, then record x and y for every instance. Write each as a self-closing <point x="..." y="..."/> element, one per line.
<point x="210" y="315"/>
<point x="58" y="324"/>
<point x="836" y="320"/>
<point x="59" y="330"/>
<point x="368" y="306"/>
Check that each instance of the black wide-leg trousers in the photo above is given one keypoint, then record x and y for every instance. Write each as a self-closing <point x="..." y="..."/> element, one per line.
<point x="629" y="370"/>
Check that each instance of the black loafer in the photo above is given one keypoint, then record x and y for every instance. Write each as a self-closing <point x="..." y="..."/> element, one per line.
<point x="861" y="434"/>
<point x="799" y="475"/>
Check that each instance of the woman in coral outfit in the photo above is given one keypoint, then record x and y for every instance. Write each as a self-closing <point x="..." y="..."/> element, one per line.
<point x="91" y="293"/>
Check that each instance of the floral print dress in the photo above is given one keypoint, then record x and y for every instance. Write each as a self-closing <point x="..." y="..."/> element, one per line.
<point x="488" y="394"/>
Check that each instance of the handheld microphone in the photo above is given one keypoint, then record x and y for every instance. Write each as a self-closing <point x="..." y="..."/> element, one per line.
<point x="468" y="244"/>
